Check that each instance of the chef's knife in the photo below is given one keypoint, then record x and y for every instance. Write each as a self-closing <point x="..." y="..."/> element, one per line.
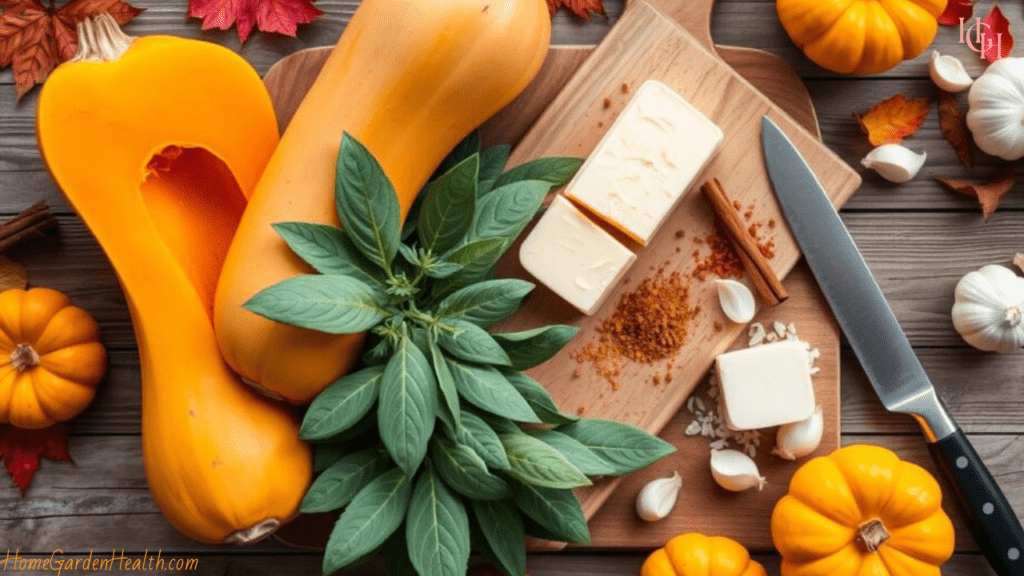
<point x="883" y="350"/>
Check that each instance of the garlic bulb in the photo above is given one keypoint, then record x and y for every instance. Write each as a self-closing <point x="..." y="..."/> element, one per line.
<point x="948" y="73"/>
<point x="737" y="301"/>
<point x="895" y="163"/>
<point x="799" y="439"/>
<point x="657" y="497"/>
<point x="995" y="108"/>
<point x="735" y="471"/>
<point x="989" y="307"/>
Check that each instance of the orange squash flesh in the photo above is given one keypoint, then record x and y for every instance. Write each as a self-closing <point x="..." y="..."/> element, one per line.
<point x="409" y="80"/>
<point x="223" y="463"/>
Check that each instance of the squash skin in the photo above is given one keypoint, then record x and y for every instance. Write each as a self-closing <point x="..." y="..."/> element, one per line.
<point x="408" y="80"/>
<point x="220" y="460"/>
<point x="695" y="554"/>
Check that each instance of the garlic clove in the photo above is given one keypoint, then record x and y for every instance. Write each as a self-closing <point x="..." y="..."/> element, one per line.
<point x="799" y="439"/>
<point x="737" y="301"/>
<point x="735" y="471"/>
<point x="948" y="73"/>
<point x="657" y="497"/>
<point x="895" y="163"/>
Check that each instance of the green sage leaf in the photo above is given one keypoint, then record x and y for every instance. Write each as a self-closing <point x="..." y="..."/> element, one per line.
<point x="624" y="447"/>
<point x="532" y="347"/>
<point x="538" y="398"/>
<point x="537" y="463"/>
<point x="445" y="381"/>
<point x="340" y="483"/>
<point x="449" y="206"/>
<point x="485" y="388"/>
<point x="502" y="528"/>
<point x="437" y="529"/>
<point x="440" y="269"/>
<point x="342" y="404"/>
<point x="474" y="432"/>
<point x="507" y="209"/>
<point x="372" y="515"/>
<point x="486" y="302"/>
<point x="557" y="511"/>
<point x="328" y="250"/>
<point x="464" y="470"/>
<point x="471" y="343"/>
<point x="476" y="257"/>
<point x="332" y="304"/>
<point x="409" y="254"/>
<point x="576" y="453"/>
<point x="555" y="170"/>
<point x="492" y="162"/>
<point x="407" y="406"/>
<point x="366" y="203"/>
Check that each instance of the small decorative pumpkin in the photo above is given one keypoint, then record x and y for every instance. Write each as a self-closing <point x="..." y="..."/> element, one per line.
<point x="862" y="510"/>
<point x="50" y="358"/>
<point x="851" y="36"/>
<point x="988" y="309"/>
<point x="996" y="106"/>
<point x="699" y="555"/>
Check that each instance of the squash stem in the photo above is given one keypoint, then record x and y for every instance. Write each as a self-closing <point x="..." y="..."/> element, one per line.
<point x="100" y="39"/>
<point x="24" y="357"/>
<point x="254" y="533"/>
<point x="872" y="534"/>
<point x="1012" y="315"/>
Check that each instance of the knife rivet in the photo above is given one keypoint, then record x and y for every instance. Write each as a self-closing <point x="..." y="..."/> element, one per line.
<point x="961" y="462"/>
<point x="988" y="508"/>
<point x="1013" y="554"/>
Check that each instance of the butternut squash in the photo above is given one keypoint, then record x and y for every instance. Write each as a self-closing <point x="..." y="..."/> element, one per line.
<point x="156" y="141"/>
<point x="409" y="80"/>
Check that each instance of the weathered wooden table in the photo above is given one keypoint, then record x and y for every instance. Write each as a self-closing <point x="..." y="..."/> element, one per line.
<point x="918" y="239"/>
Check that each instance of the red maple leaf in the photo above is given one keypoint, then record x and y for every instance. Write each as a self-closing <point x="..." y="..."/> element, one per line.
<point x="35" y="38"/>
<point x="581" y="8"/>
<point x="998" y="42"/>
<point x="22" y="449"/>
<point x="268" y="15"/>
<point x="956" y="11"/>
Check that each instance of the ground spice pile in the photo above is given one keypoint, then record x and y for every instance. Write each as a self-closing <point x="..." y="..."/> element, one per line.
<point x="649" y="324"/>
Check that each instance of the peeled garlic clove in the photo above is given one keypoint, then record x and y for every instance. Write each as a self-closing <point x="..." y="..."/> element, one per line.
<point x="737" y="301"/>
<point x="657" y="497"/>
<point x="895" y="163"/>
<point x="735" y="471"/>
<point x="799" y="439"/>
<point x="948" y="73"/>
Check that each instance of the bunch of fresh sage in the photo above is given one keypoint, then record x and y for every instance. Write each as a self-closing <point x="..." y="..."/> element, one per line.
<point x="423" y="447"/>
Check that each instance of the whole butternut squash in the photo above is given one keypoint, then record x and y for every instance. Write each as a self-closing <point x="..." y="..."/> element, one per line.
<point x="407" y="79"/>
<point x="155" y="141"/>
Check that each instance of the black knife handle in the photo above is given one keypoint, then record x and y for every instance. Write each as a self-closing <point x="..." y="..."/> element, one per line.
<point x="984" y="507"/>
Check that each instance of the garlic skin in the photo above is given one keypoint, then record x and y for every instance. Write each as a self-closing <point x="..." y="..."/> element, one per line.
<point x="735" y="471"/>
<point x="737" y="301"/>
<point x="657" y="497"/>
<point x="799" y="439"/>
<point x="989" y="309"/>
<point x="894" y="162"/>
<point x="948" y="73"/>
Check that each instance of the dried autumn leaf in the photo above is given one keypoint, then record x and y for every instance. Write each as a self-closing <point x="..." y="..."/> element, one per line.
<point x="35" y="38"/>
<point x="893" y="119"/>
<point x="997" y="42"/>
<point x="956" y="11"/>
<point x="12" y="274"/>
<point x="282" y="16"/>
<point x="989" y="192"/>
<point x="581" y="8"/>
<point x="954" y="127"/>
<point x="21" y="450"/>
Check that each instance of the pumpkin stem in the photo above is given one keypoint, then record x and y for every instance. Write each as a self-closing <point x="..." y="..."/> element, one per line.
<point x="100" y="39"/>
<point x="1012" y="315"/>
<point x="24" y="357"/>
<point x="872" y="534"/>
<point x="254" y="533"/>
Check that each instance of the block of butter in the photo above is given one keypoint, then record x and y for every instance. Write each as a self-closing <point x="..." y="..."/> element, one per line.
<point x="573" y="256"/>
<point x="646" y="161"/>
<point x="766" y="385"/>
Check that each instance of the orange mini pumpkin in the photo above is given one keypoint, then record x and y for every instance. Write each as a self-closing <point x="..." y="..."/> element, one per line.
<point x="699" y="555"/>
<point x="50" y="358"/>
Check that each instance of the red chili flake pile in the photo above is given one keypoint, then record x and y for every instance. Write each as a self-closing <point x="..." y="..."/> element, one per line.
<point x="722" y="261"/>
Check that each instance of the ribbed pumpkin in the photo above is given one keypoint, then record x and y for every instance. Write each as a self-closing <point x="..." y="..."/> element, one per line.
<point x="862" y="510"/>
<point x="50" y="358"/>
<point x="156" y="141"/>
<point x="408" y="80"/>
<point x="699" y="555"/>
<point x="860" y="36"/>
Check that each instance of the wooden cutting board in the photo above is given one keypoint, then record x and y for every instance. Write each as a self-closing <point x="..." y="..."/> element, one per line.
<point x="702" y="505"/>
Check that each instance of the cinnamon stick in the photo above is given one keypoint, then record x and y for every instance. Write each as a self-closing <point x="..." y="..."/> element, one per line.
<point x="34" y="221"/>
<point x="762" y="276"/>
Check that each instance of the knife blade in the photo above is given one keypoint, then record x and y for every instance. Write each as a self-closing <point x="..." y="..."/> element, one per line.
<point x="883" y="350"/>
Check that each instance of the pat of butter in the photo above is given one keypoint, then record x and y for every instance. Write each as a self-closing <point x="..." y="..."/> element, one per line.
<point x="574" y="257"/>
<point x="766" y="385"/>
<point x="646" y="161"/>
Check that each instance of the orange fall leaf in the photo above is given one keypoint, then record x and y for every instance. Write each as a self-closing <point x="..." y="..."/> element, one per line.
<point x="954" y="128"/>
<point x="988" y="192"/>
<point x="893" y="119"/>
